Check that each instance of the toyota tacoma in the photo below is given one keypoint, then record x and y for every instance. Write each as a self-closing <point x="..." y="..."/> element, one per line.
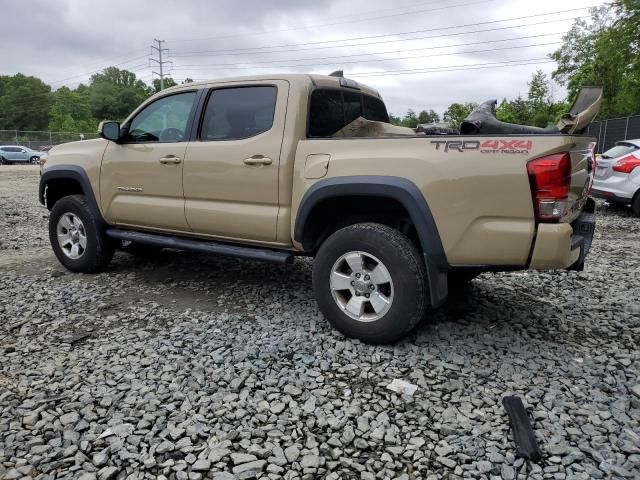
<point x="271" y="167"/>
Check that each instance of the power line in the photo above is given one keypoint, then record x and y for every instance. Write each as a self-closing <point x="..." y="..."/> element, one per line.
<point x="96" y="71"/>
<point x="161" y="63"/>
<point x="256" y="50"/>
<point x="444" y="69"/>
<point x="454" y="68"/>
<point x="206" y="67"/>
<point x="373" y="53"/>
<point x="306" y="27"/>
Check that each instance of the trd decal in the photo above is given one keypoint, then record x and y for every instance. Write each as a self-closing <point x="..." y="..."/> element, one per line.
<point x="490" y="146"/>
<point x="457" y="145"/>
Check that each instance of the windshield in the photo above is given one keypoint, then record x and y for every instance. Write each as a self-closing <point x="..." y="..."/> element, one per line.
<point x="619" y="150"/>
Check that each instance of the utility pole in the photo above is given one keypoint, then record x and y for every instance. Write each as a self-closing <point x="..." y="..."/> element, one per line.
<point x="159" y="60"/>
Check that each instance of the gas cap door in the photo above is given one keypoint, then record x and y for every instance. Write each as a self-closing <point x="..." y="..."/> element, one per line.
<point x="317" y="165"/>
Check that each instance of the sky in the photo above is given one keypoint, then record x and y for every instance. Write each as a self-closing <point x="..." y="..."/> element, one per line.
<point x="420" y="54"/>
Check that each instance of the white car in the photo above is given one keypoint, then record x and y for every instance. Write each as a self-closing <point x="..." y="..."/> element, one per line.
<point x="617" y="176"/>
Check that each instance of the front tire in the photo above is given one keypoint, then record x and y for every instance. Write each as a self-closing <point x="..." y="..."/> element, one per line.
<point x="370" y="283"/>
<point x="76" y="236"/>
<point x="35" y="160"/>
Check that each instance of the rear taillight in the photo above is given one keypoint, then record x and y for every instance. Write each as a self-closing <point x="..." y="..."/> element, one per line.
<point x="626" y="164"/>
<point x="550" y="178"/>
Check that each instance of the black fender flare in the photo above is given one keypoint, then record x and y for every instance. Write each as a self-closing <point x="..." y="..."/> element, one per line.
<point x="69" y="172"/>
<point x="397" y="188"/>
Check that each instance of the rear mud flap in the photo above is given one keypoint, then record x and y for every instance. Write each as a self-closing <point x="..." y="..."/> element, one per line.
<point x="583" y="229"/>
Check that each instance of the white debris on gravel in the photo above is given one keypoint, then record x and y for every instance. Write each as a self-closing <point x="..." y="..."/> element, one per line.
<point x="190" y="367"/>
<point x="402" y="387"/>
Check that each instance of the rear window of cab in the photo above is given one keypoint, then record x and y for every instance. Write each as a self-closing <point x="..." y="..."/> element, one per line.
<point x="331" y="110"/>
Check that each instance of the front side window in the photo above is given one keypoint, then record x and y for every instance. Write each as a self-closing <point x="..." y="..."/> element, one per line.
<point x="330" y="110"/>
<point x="237" y="113"/>
<point x="163" y="121"/>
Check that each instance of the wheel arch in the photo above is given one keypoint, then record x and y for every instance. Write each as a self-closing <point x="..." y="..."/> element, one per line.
<point x="59" y="181"/>
<point x="397" y="189"/>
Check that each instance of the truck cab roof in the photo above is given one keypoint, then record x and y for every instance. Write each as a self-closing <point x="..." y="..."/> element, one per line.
<point x="326" y="81"/>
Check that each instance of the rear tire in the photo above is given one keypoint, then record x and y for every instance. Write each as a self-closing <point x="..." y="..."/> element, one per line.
<point x="370" y="283"/>
<point x="635" y="204"/>
<point x="77" y="237"/>
<point x="35" y="160"/>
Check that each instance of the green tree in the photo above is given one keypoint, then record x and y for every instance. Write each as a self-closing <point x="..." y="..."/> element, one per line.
<point x="395" y="120"/>
<point x="457" y="112"/>
<point x="71" y="111"/>
<point x="604" y="52"/>
<point x="114" y="93"/>
<point x="168" y="82"/>
<point x="25" y="102"/>
<point x="428" y="116"/>
<point x="410" y="119"/>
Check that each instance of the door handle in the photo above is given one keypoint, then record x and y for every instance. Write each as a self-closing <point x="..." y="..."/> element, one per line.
<point x="258" y="160"/>
<point x="170" y="160"/>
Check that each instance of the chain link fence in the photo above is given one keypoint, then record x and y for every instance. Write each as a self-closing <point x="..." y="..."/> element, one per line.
<point x="40" y="139"/>
<point x="610" y="131"/>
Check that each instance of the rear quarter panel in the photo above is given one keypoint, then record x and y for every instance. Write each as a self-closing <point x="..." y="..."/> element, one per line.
<point x="478" y="192"/>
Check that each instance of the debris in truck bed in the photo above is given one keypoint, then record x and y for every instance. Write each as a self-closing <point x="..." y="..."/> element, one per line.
<point x="361" y="127"/>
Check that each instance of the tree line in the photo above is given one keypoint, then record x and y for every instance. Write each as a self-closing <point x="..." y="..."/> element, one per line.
<point x="603" y="51"/>
<point x="28" y="103"/>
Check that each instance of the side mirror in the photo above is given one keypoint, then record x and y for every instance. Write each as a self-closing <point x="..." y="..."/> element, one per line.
<point x="109" y="131"/>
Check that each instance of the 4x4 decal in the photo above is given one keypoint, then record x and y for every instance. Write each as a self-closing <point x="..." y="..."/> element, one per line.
<point x="490" y="146"/>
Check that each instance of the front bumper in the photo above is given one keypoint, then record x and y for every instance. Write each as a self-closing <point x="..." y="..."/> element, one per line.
<point x="563" y="245"/>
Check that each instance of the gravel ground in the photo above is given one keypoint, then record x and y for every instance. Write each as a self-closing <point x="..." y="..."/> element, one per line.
<point x="187" y="366"/>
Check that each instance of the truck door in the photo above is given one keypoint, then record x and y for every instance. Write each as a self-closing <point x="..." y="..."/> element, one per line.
<point x="141" y="177"/>
<point x="231" y="169"/>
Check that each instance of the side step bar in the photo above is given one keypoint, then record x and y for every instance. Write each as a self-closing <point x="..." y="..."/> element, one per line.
<point x="203" y="246"/>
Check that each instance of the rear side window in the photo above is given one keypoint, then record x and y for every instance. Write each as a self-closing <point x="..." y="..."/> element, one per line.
<point x="237" y="113"/>
<point x="374" y="109"/>
<point x="620" y="150"/>
<point x="352" y="107"/>
<point x="326" y="116"/>
<point x="331" y="110"/>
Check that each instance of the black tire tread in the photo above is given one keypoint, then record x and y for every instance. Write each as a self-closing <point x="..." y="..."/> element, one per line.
<point x="411" y="257"/>
<point x="103" y="248"/>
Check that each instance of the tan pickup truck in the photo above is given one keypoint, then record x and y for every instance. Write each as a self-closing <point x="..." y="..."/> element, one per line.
<point x="271" y="167"/>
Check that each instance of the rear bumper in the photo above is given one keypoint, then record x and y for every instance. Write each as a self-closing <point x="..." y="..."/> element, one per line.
<point x="618" y="187"/>
<point x="612" y="196"/>
<point x="563" y="245"/>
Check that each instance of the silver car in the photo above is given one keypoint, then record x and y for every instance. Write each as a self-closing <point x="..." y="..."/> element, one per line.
<point x="10" y="154"/>
<point x="617" y="176"/>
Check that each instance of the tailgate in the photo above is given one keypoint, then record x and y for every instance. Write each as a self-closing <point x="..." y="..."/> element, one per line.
<point x="582" y="173"/>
